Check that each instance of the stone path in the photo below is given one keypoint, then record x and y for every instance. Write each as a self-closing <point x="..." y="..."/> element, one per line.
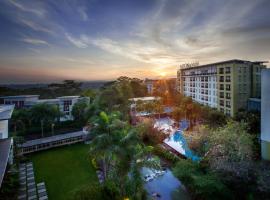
<point x="29" y="190"/>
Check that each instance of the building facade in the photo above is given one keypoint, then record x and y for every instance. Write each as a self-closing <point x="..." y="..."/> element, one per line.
<point x="265" y="115"/>
<point x="65" y="103"/>
<point x="6" y="143"/>
<point x="225" y="85"/>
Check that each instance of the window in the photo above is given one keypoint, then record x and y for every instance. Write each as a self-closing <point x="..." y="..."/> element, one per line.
<point x="228" y="79"/>
<point x="221" y="87"/>
<point x="228" y="95"/>
<point x="228" y="104"/>
<point x="228" y="87"/>
<point x="221" y="70"/>
<point x="221" y="78"/>
<point x="228" y="112"/>
<point x="221" y="95"/>
<point x="67" y="103"/>
<point x="228" y="70"/>
<point x="221" y="102"/>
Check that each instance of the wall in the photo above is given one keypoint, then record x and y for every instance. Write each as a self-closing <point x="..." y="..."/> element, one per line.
<point x="3" y="129"/>
<point x="265" y="114"/>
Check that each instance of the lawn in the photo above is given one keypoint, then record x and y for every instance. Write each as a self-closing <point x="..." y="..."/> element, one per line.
<point x="63" y="170"/>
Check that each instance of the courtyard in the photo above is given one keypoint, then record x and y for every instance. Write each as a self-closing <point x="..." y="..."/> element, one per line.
<point x="64" y="170"/>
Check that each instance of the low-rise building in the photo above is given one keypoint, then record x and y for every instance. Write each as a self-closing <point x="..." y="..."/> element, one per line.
<point x="6" y="143"/>
<point x="65" y="103"/>
<point x="265" y="115"/>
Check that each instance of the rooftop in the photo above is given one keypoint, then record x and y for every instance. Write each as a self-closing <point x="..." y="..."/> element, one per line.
<point x="5" y="145"/>
<point x="52" y="139"/>
<point x="68" y="97"/>
<point x="18" y="96"/>
<point x="144" y="99"/>
<point x="226" y="62"/>
<point x="6" y="111"/>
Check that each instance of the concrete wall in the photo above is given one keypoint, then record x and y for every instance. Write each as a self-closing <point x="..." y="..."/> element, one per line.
<point x="3" y="129"/>
<point x="265" y="114"/>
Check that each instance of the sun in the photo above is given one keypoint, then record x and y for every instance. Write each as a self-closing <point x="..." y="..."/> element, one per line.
<point x="163" y="74"/>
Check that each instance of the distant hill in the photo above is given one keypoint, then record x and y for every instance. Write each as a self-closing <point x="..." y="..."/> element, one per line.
<point x="85" y="85"/>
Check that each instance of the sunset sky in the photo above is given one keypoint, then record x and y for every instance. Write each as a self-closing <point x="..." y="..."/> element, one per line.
<point x="52" y="40"/>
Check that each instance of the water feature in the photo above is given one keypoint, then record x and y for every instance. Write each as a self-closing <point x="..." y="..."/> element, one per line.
<point x="167" y="186"/>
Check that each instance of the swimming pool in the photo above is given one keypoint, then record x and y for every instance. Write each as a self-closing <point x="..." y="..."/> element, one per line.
<point x="178" y="142"/>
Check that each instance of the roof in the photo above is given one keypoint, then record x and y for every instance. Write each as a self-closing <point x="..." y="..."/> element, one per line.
<point x="6" y="111"/>
<point x="254" y="99"/>
<point x="144" y="99"/>
<point x="54" y="138"/>
<point x="68" y="97"/>
<point x="18" y="96"/>
<point x="226" y="62"/>
<point x="5" y="145"/>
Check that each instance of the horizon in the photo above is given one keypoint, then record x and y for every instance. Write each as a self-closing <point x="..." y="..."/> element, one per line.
<point x="99" y="40"/>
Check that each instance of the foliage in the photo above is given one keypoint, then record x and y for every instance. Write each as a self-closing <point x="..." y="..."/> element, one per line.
<point x="252" y="119"/>
<point x="9" y="185"/>
<point x="148" y="134"/>
<point x="165" y="154"/>
<point x="203" y="184"/>
<point x="115" y="95"/>
<point x="117" y="147"/>
<point x="79" y="111"/>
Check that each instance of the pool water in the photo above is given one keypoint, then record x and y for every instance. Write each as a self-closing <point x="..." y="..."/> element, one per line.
<point x="179" y="143"/>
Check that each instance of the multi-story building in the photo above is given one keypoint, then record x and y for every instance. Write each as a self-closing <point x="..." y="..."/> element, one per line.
<point x="65" y="103"/>
<point x="225" y="85"/>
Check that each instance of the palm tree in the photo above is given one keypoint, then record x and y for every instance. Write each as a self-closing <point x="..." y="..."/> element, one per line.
<point x="121" y="153"/>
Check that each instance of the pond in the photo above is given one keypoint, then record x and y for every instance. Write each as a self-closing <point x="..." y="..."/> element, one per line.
<point x="166" y="185"/>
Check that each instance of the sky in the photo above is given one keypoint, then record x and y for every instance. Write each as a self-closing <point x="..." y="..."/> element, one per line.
<point x="48" y="40"/>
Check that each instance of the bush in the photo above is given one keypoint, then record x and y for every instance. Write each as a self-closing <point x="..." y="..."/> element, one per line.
<point x="164" y="153"/>
<point x="203" y="184"/>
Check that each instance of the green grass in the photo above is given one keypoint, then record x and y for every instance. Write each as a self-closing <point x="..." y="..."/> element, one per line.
<point x="63" y="170"/>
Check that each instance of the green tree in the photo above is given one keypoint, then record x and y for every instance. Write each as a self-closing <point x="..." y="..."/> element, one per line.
<point x="121" y="153"/>
<point x="44" y="114"/>
<point x="79" y="111"/>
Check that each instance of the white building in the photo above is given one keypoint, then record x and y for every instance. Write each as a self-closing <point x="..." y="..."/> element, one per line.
<point x="265" y="114"/>
<point x="65" y="103"/>
<point x="6" y="144"/>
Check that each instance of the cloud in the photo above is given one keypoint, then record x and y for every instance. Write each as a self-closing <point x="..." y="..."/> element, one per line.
<point x="82" y="13"/>
<point x="35" y="41"/>
<point x="36" y="11"/>
<point x="35" y="26"/>
<point x="76" y="42"/>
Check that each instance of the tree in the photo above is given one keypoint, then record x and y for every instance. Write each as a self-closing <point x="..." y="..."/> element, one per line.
<point x="121" y="153"/>
<point x="44" y="114"/>
<point x="79" y="110"/>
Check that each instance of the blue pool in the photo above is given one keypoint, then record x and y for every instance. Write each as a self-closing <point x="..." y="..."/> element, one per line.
<point x="178" y="142"/>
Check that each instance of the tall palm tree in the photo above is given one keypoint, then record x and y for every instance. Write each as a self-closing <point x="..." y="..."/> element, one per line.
<point x="121" y="153"/>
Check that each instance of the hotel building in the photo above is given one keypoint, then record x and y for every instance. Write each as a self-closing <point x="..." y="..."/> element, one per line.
<point x="225" y="85"/>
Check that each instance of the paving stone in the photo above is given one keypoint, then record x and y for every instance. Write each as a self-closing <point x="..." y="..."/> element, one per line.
<point x="32" y="197"/>
<point x="30" y="178"/>
<point x="43" y="198"/>
<point x="41" y="190"/>
<point x="22" y="188"/>
<point x="32" y="193"/>
<point x="21" y="197"/>
<point x="31" y="185"/>
<point x="42" y="194"/>
<point x="40" y="184"/>
<point x="41" y="187"/>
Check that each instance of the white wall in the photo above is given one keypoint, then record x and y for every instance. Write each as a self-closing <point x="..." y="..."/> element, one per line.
<point x="265" y="105"/>
<point x="3" y="129"/>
